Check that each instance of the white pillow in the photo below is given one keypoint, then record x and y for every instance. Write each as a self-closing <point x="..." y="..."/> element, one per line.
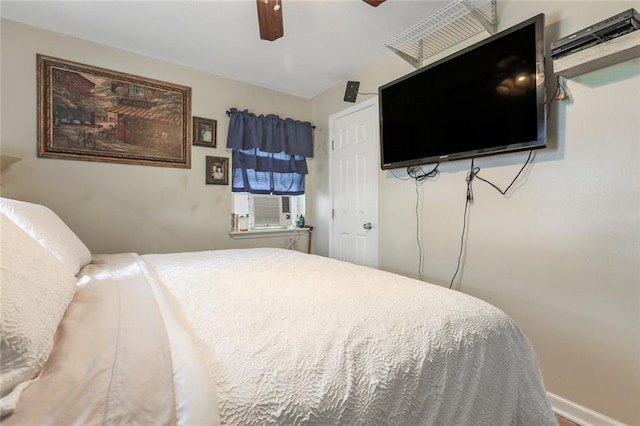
<point x="44" y="226"/>
<point x="35" y="291"/>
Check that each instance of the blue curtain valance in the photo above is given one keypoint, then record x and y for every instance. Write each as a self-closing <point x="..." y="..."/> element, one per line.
<point x="269" y="133"/>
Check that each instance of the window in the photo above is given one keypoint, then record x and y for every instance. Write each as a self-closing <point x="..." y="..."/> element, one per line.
<point x="263" y="177"/>
<point x="268" y="168"/>
<point x="269" y="211"/>
<point x="135" y="90"/>
<point x="269" y="153"/>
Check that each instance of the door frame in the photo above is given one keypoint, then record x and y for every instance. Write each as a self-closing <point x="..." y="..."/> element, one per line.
<point x="369" y="103"/>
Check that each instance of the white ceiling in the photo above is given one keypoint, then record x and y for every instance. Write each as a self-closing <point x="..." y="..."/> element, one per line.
<point x="324" y="43"/>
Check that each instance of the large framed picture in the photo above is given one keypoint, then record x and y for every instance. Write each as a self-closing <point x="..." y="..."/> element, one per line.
<point x="217" y="169"/>
<point x="204" y="132"/>
<point x="94" y="114"/>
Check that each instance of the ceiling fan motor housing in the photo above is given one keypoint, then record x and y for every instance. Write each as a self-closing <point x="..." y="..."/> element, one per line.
<point x="270" y="19"/>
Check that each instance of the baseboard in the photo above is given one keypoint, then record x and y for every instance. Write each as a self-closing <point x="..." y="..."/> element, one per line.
<point x="579" y="414"/>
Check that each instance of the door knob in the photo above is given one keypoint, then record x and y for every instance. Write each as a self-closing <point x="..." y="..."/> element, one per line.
<point x="367" y="226"/>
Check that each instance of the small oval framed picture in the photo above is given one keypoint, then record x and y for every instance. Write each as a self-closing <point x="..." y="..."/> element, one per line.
<point x="217" y="169"/>
<point x="204" y="132"/>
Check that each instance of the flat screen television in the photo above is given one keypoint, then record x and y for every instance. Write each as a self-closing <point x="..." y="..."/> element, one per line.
<point x="486" y="99"/>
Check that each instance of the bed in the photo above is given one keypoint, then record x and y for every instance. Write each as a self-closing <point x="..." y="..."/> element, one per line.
<point x="244" y="337"/>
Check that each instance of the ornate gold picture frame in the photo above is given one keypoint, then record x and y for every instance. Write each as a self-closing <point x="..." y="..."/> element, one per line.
<point x="94" y="114"/>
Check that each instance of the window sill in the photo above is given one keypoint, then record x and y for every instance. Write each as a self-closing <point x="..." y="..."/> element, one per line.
<point x="266" y="233"/>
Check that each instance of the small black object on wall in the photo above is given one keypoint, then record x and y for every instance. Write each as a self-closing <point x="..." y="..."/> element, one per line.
<point x="351" y="93"/>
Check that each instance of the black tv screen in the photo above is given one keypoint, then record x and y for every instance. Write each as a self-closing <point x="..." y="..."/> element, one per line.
<point x="486" y="99"/>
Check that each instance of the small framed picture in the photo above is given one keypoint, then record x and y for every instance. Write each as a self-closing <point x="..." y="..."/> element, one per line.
<point x="204" y="132"/>
<point x="217" y="169"/>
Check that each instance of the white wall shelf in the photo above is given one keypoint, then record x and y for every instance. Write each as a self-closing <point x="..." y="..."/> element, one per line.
<point x="601" y="55"/>
<point x="456" y="22"/>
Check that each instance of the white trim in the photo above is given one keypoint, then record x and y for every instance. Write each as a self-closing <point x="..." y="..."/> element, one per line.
<point x="579" y="414"/>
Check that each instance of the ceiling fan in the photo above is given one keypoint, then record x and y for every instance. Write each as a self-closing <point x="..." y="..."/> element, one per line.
<point x="270" y="17"/>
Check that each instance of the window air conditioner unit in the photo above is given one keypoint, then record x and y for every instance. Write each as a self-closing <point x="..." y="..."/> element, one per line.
<point x="270" y="210"/>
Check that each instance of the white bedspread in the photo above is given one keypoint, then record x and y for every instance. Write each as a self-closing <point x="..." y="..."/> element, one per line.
<point x="291" y="338"/>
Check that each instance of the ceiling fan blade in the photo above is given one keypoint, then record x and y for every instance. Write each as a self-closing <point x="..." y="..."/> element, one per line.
<point x="374" y="3"/>
<point x="270" y="19"/>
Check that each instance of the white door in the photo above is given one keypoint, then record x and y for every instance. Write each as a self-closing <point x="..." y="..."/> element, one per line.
<point x="353" y="171"/>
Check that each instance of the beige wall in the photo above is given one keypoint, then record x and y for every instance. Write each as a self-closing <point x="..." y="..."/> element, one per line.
<point x="118" y="207"/>
<point x="561" y="254"/>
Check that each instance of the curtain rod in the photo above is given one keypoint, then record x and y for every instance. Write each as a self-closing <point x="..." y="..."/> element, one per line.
<point x="229" y="113"/>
